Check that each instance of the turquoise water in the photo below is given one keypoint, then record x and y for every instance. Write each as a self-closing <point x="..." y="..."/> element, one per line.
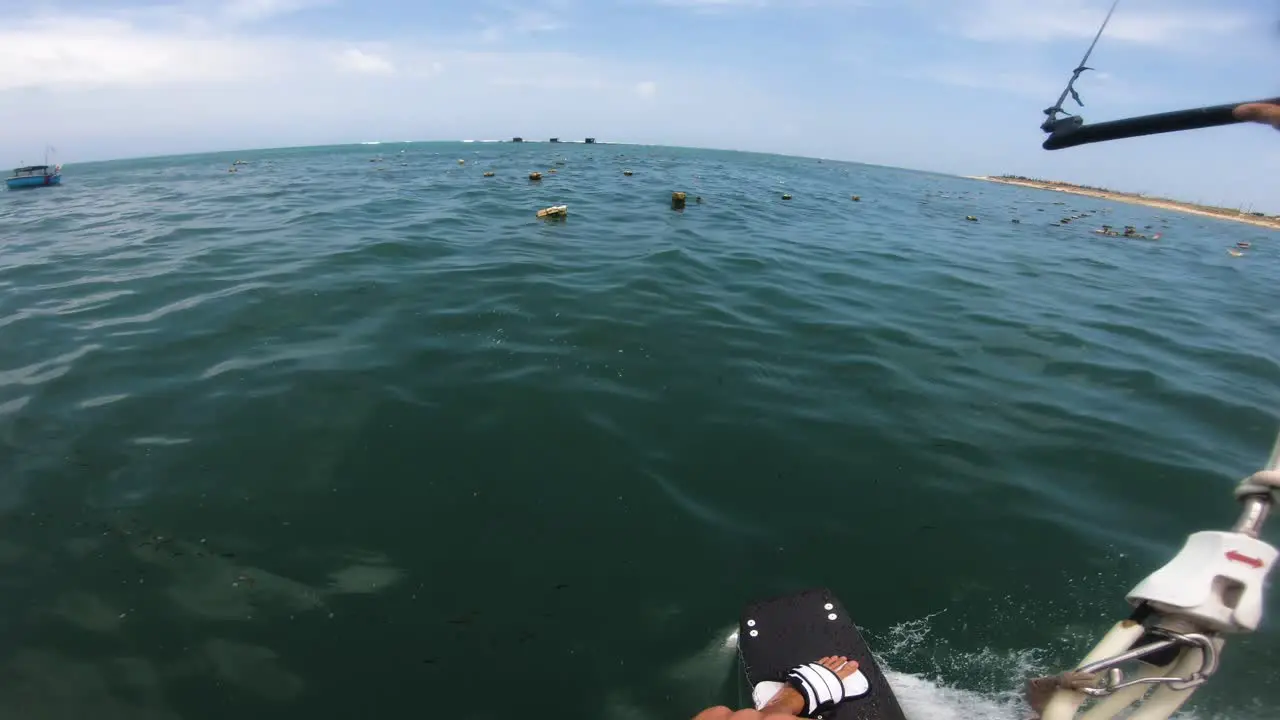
<point x="350" y="433"/>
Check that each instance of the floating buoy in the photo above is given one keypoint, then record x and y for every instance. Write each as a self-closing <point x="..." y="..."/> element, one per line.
<point x="857" y="198"/>
<point x="1235" y="253"/>
<point x="786" y="196"/>
<point x="970" y="218"/>
<point x="678" y="200"/>
<point x="555" y="211"/>
<point x="553" y="171"/>
<point x="489" y="174"/>
<point x="535" y="176"/>
<point x="628" y="173"/>
<point x="462" y="162"/>
<point x="1015" y="221"/>
<point x="698" y="199"/>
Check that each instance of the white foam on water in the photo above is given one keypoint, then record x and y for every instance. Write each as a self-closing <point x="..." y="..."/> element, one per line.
<point x="923" y="699"/>
<point x="1000" y="677"/>
<point x="1004" y="674"/>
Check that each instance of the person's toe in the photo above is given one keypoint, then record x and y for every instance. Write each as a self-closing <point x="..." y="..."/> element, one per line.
<point x="850" y="667"/>
<point x="832" y="662"/>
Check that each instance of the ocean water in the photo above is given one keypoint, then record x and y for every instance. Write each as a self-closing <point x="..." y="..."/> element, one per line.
<point x="350" y="433"/>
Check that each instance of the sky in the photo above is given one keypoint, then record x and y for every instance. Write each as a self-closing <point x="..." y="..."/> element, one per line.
<point x="953" y="86"/>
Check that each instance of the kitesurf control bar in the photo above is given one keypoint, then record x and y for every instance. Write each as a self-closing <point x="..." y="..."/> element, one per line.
<point x="1072" y="131"/>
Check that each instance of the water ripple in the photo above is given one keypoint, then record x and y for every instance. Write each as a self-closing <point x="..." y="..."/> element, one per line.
<point x="388" y="349"/>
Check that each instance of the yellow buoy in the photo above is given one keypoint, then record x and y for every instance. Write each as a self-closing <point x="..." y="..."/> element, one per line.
<point x="489" y="174"/>
<point x="555" y="211"/>
<point x="786" y="196"/>
<point x="678" y="200"/>
<point x="535" y="176"/>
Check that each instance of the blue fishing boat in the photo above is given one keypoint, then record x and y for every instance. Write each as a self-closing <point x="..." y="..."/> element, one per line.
<point x="33" y="176"/>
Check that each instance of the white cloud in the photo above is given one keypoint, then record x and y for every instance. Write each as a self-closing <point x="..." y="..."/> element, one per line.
<point x="359" y="61"/>
<point x="647" y="89"/>
<point x="1078" y="20"/>
<point x="1099" y="89"/>
<point x="714" y="4"/>
<point x="1007" y="81"/>
<point x="90" y="52"/>
<point x="518" y="22"/>
<point x="258" y="10"/>
<point x="719" y="5"/>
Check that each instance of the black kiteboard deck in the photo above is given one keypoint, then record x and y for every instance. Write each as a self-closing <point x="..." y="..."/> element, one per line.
<point x="776" y="635"/>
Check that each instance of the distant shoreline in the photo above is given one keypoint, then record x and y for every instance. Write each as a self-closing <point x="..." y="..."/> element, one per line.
<point x="1134" y="199"/>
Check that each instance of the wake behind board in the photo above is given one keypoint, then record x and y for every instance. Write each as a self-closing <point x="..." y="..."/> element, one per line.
<point x="776" y="635"/>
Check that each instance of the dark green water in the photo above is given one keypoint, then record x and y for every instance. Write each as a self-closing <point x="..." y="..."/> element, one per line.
<point x="329" y="437"/>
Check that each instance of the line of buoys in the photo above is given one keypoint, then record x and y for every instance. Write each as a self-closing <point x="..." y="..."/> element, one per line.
<point x="679" y="199"/>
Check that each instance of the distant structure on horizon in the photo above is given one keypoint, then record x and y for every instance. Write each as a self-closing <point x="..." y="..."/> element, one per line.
<point x="591" y="141"/>
<point x="517" y="139"/>
<point x="555" y="140"/>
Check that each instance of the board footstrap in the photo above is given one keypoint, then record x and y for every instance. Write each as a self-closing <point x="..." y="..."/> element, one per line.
<point x="822" y="688"/>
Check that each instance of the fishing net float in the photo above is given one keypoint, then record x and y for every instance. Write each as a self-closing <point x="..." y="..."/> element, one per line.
<point x="1148" y="665"/>
<point x="1068" y="130"/>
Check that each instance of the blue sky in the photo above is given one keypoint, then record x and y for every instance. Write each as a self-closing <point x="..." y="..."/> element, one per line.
<point x="953" y="86"/>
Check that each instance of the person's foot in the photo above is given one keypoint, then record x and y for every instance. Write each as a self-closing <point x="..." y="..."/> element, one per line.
<point x="788" y="703"/>
<point x="791" y="702"/>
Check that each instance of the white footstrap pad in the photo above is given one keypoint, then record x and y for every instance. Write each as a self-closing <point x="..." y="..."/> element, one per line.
<point x="856" y="685"/>
<point x="821" y="687"/>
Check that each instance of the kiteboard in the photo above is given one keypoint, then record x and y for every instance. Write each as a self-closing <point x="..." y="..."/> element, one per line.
<point x="778" y="635"/>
